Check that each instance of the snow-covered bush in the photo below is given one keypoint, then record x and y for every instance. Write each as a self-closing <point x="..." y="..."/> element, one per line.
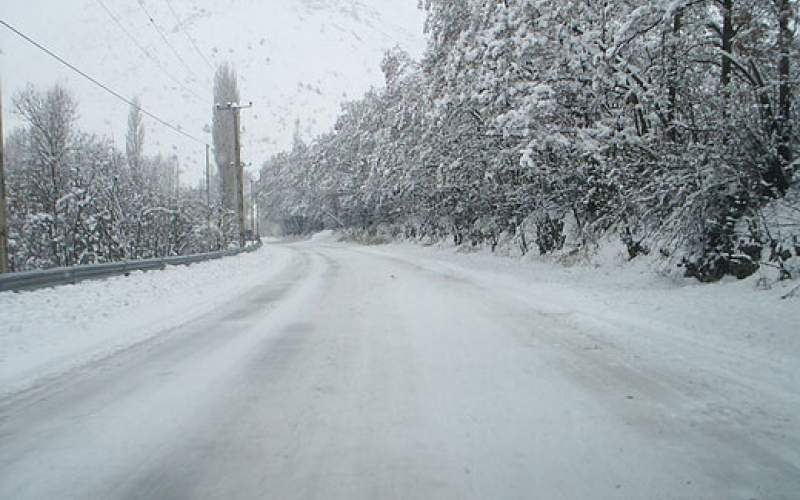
<point x="668" y="126"/>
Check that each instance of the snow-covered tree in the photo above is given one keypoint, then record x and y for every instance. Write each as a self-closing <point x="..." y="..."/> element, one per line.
<point x="75" y="199"/>
<point x="226" y="90"/>
<point x="561" y="123"/>
<point x="134" y="139"/>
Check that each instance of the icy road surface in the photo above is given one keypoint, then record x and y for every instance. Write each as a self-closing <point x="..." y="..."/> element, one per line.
<point x="343" y="372"/>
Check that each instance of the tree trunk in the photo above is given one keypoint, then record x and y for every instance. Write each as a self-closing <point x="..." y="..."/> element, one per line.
<point x="784" y="133"/>
<point x="726" y="43"/>
<point x="677" y="24"/>
<point x="4" y="260"/>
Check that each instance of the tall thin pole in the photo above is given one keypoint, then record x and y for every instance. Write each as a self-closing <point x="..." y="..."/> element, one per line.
<point x="253" y="207"/>
<point x="3" y="216"/>
<point x="208" y="183"/>
<point x="238" y="165"/>
<point x="177" y="181"/>
<point x="237" y="148"/>
<point x="177" y="207"/>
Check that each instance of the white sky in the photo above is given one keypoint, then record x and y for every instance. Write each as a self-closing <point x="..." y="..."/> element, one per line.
<point x="297" y="59"/>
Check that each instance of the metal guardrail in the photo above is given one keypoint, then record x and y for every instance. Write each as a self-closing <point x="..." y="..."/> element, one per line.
<point x="28" y="280"/>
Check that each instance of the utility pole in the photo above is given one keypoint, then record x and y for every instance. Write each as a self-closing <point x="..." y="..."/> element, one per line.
<point x="208" y="184"/>
<point x="177" y="181"/>
<point x="173" y="247"/>
<point x="258" y="216"/>
<point x="236" y="108"/>
<point x="3" y="215"/>
<point x="253" y="207"/>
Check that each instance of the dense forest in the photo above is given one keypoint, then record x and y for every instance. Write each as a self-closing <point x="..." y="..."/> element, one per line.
<point x="553" y="126"/>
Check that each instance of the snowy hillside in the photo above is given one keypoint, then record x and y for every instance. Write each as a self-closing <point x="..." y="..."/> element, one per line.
<point x="297" y="59"/>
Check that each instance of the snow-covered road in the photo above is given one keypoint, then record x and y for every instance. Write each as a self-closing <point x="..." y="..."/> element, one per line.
<point x="355" y="373"/>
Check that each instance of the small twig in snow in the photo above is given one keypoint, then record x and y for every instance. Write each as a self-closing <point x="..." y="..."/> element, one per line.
<point x="792" y="293"/>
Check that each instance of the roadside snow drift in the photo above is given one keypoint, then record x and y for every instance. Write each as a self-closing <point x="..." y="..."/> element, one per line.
<point x="44" y="332"/>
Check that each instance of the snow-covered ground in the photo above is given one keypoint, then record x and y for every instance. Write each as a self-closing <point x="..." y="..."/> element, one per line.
<point x="635" y="301"/>
<point x="47" y="331"/>
<point x="733" y="345"/>
<point x="323" y="369"/>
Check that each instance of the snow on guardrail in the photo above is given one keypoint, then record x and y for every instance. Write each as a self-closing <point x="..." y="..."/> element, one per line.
<point x="27" y="280"/>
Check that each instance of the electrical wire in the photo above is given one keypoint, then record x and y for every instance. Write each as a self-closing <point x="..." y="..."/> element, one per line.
<point x="166" y="41"/>
<point x="99" y="84"/>
<point x="148" y="54"/>
<point x="191" y="39"/>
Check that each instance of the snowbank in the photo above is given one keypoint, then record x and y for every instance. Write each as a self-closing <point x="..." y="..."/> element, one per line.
<point x="45" y="332"/>
<point x="608" y="284"/>
<point x="734" y="342"/>
<point x="327" y="236"/>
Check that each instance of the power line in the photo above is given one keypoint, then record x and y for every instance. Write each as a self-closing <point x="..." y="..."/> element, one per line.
<point x="191" y="40"/>
<point x="147" y="52"/>
<point x="102" y="86"/>
<point x="166" y="41"/>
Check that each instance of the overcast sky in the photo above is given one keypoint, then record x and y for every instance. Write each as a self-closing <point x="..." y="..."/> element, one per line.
<point x="297" y="59"/>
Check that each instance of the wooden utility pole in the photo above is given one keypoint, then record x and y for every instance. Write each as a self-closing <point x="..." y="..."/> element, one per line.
<point x="237" y="145"/>
<point x="177" y="181"/>
<point x="236" y="108"/>
<point x="253" y="207"/>
<point x="208" y="183"/>
<point x="3" y="208"/>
